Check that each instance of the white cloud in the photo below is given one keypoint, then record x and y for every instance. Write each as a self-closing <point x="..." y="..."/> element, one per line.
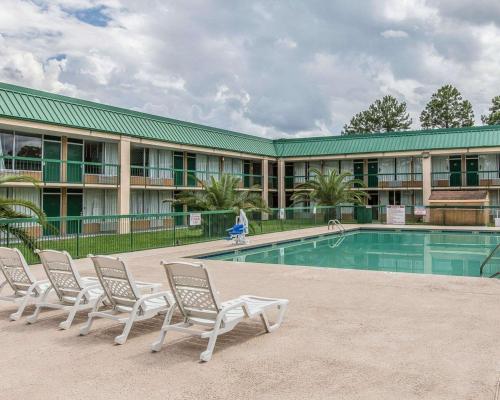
<point x="267" y="68"/>
<point x="390" y="34"/>
<point x="286" y="43"/>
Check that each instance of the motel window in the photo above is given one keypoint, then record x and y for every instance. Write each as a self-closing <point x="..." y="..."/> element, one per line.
<point x="6" y="149"/>
<point x="28" y="146"/>
<point x="395" y="198"/>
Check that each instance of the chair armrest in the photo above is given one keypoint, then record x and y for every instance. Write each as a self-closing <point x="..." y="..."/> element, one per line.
<point x="167" y="294"/>
<point x="37" y="284"/>
<point x="231" y="304"/>
<point x="153" y="287"/>
<point x="90" y="278"/>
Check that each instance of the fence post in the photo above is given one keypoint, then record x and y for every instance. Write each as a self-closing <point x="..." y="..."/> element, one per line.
<point x="77" y="242"/>
<point x="209" y="226"/>
<point x="175" y="224"/>
<point x="130" y="220"/>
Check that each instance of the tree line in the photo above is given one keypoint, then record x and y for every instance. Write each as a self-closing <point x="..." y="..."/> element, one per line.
<point x="445" y="109"/>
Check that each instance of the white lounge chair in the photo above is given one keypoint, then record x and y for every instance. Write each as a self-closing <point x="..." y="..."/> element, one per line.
<point x="26" y="289"/>
<point x="74" y="293"/>
<point x="124" y="295"/>
<point x="198" y="303"/>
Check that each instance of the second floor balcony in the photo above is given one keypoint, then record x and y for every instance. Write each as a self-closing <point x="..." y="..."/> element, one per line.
<point x="371" y="181"/>
<point x="466" y="179"/>
<point x="47" y="170"/>
<point x="179" y="178"/>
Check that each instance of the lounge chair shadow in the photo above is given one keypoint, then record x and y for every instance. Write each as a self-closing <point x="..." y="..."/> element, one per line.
<point x="49" y="320"/>
<point x="6" y="312"/>
<point x="105" y="331"/>
<point x="184" y="348"/>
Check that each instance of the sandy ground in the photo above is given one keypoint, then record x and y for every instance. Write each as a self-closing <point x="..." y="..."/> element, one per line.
<point x="347" y="335"/>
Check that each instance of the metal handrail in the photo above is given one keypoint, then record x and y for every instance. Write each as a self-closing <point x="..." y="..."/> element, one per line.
<point x="487" y="259"/>
<point x="337" y="223"/>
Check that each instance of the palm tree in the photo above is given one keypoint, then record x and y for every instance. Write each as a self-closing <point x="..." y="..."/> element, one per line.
<point x="8" y="211"/>
<point x="331" y="189"/>
<point x="223" y="194"/>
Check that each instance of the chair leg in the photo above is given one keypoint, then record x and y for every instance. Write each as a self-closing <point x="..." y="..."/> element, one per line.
<point x="279" y="319"/>
<point x="156" y="346"/>
<point x="121" y="339"/>
<point x="265" y="321"/>
<point x="33" y="317"/>
<point x="71" y="315"/>
<point x="67" y="323"/>
<point x="207" y="354"/>
<point x="25" y="301"/>
<point x="86" y="328"/>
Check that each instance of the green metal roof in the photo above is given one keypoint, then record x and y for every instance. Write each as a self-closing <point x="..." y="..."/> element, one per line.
<point x="28" y="104"/>
<point x="34" y="105"/>
<point x="481" y="136"/>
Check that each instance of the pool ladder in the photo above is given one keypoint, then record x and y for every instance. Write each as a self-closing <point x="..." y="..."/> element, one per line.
<point x="490" y="256"/>
<point x="335" y="223"/>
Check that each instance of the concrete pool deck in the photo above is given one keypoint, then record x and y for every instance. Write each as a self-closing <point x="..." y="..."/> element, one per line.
<point x="347" y="335"/>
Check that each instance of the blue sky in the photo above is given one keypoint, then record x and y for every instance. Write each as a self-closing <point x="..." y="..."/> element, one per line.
<point x="276" y="69"/>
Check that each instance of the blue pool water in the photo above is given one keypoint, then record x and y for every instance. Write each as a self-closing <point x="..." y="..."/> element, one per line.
<point x="424" y="252"/>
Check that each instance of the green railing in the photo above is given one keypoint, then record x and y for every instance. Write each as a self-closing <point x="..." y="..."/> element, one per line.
<point x="58" y="171"/>
<point x="156" y="176"/>
<point x="123" y="233"/>
<point x="466" y="179"/>
<point x="394" y="180"/>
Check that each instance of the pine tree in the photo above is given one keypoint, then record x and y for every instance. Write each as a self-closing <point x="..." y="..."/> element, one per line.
<point x="384" y="115"/>
<point x="447" y="109"/>
<point x="494" y="116"/>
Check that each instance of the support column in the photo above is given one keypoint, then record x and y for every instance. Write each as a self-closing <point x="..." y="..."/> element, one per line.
<point x="281" y="183"/>
<point x="426" y="183"/>
<point x="64" y="159"/>
<point x="265" y="185"/>
<point x="265" y="180"/>
<point x="64" y="210"/>
<point x="124" y="188"/>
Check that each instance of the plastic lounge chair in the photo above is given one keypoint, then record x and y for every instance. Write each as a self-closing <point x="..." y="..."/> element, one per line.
<point x="74" y="293"/>
<point x="198" y="304"/>
<point x="124" y="295"/>
<point x="26" y="289"/>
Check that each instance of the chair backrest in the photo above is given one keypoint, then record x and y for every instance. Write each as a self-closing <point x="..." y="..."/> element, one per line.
<point x="116" y="279"/>
<point x="193" y="291"/>
<point x="15" y="269"/>
<point x="61" y="272"/>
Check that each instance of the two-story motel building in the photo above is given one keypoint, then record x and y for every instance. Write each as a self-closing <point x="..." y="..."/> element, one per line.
<point x="95" y="159"/>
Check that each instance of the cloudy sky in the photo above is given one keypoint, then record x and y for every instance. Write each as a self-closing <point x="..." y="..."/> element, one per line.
<point x="272" y="68"/>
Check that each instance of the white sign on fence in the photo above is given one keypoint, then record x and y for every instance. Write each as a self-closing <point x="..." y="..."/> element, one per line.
<point x="281" y="214"/>
<point x="194" y="219"/>
<point x="420" y="210"/>
<point x="314" y="210"/>
<point x="396" y="215"/>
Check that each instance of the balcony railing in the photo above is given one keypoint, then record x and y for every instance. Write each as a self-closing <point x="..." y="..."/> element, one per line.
<point x="372" y="181"/>
<point x="59" y="171"/>
<point x="172" y="177"/>
<point x="466" y="179"/>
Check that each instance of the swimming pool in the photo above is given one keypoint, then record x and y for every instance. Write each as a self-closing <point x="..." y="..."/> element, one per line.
<point x="423" y="252"/>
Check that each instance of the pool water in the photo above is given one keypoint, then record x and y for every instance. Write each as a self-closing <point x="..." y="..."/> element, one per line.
<point x="423" y="252"/>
